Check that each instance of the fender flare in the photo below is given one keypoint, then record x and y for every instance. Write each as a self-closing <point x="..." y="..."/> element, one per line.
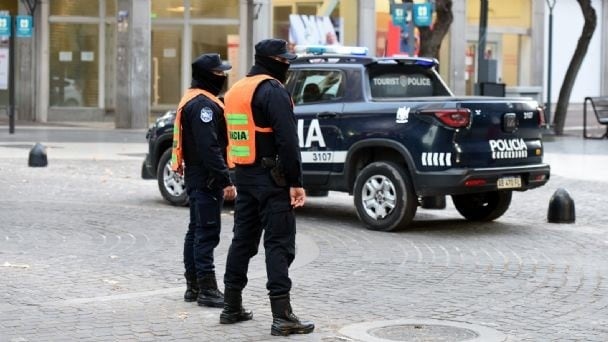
<point x="379" y="142"/>
<point x="160" y="142"/>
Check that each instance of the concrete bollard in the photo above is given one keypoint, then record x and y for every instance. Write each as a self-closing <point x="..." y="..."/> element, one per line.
<point x="561" y="207"/>
<point x="38" y="156"/>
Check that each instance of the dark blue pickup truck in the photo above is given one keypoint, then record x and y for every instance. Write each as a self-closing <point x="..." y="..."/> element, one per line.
<point x="390" y="132"/>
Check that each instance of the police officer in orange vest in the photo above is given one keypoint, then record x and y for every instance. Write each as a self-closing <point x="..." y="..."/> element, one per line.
<point x="200" y="139"/>
<point x="263" y="144"/>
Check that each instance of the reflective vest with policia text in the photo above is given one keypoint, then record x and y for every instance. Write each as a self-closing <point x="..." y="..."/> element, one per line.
<point x="239" y="120"/>
<point x="177" y="156"/>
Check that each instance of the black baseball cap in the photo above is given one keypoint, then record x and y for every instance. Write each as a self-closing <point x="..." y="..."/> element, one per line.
<point x="273" y="47"/>
<point x="210" y="62"/>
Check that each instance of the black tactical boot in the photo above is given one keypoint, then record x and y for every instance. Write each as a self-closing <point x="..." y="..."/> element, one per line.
<point x="208" y="293"/>
<point x="284" y="322"/>
<point x="233" y="308"/>
<point x="191" y="288"/>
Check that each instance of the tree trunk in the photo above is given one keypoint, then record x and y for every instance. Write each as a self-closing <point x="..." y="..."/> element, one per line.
<point x="31" y="5"/>
<point x="575" y="64"/>
<point x="431" y="37"/>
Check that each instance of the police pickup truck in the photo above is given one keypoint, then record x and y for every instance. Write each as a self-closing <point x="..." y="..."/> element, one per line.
<point x="389" y="132"/>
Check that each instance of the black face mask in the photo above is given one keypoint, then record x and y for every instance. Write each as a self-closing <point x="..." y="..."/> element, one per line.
<point x="276" y="69"/>
<point x="208" y="81"/>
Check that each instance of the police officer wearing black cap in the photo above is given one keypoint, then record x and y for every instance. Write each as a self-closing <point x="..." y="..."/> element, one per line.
<point x="200" y="139"/>
<point x="263" y="144"/>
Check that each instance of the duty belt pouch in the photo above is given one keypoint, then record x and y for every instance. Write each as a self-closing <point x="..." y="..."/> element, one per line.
<point x="276" y="171"/>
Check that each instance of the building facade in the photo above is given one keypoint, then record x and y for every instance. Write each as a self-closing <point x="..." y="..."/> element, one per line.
<point x="128" y="60"/>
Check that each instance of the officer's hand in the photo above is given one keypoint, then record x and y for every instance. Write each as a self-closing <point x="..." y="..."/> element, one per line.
<point x="230" y="192"/>
<point x="298" y="197"/>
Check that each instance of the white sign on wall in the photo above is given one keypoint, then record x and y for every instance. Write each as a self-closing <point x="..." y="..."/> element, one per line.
<point x="87" y="56"/>
<point x="169" y="53"/>
<point x="65" y="56"/>
<point x="4" y="68"/>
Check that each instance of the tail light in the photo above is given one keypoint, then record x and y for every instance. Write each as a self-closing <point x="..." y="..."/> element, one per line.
<point x="538" y="178"/>
<point x="541" y="116"/>
<point x="455" y="118"/>
<point x="470" y="183"/>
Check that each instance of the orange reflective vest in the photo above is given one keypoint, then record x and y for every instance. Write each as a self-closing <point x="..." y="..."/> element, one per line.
<point x="177" y="157"/>
<point x="239" y="120"/>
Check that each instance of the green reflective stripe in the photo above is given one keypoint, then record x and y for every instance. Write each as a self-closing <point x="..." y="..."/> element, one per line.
<point x="239" y="151"/>
<point x="237" y="119"/>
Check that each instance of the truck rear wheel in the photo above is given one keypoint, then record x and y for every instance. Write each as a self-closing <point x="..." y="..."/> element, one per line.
<point x="486" y="206"/>
<point x="170" y="184"/>
<point x="384" y="197"/>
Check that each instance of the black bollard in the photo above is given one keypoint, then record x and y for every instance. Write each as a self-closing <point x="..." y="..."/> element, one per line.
<point x="38" y="156"/>
<point x="561" y="207"/>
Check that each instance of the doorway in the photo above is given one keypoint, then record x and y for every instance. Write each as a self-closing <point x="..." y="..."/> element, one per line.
<point x="6" y="7"/>
<point x="166" y="65"/>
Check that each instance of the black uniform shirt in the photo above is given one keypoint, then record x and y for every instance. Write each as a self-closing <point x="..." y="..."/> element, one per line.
<point x="272" y="107"/>
<point x="204" y="143"/>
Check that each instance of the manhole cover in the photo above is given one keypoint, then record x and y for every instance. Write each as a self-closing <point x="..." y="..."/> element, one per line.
<point x="423" y="332"/>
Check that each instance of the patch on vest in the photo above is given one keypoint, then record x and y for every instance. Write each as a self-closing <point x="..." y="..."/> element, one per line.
<point x="206" y="115"/>
<point x="239" y="135"/>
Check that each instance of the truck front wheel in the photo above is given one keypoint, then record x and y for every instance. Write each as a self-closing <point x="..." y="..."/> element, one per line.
<point x="170" y="184"/>
<point x="486" y="206"/>
<point x="384" y="197"/>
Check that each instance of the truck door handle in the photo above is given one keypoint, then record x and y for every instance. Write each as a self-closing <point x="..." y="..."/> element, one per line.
<point x="326" y="115"/>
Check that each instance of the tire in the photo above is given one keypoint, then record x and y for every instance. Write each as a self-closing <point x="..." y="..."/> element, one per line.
<point x="170" y="184"/>
<point x="384" y="197"/>
<point x="486" y="206"/>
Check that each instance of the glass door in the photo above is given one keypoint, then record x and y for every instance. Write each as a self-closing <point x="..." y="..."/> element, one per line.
<point x="73" y="65"/>
<point x="7" y="7"/>
<point x="166" y="65"/>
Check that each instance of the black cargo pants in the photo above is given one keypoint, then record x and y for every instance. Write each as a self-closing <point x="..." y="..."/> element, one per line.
<point x="262" y="207"/>
<point x="204" y="230"/>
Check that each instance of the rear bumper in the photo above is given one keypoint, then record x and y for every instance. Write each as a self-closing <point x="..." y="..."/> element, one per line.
<point x="454" y="181"/>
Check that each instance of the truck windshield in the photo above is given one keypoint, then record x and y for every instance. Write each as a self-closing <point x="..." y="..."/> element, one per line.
<point x="398" y="81"/>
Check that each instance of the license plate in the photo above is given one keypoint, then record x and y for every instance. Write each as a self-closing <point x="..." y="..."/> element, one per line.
<point x="509" y="182"/>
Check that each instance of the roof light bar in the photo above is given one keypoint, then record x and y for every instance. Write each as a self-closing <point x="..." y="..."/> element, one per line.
<point x="427" y="63"/>
<point x="331" y="49"/>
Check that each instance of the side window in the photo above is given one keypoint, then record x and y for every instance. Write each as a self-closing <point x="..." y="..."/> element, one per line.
<point x="401" y="85"/>
<point x="399" y="81"/>
<point x="318" y="86"/>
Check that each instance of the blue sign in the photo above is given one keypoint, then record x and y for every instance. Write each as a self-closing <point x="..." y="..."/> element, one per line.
<point x="398" y="14"/>
<point x="401" y="14"/>
<point x="5" y="25"/>
<point x="24" y="26"/>
<point x="423" y="14"/>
